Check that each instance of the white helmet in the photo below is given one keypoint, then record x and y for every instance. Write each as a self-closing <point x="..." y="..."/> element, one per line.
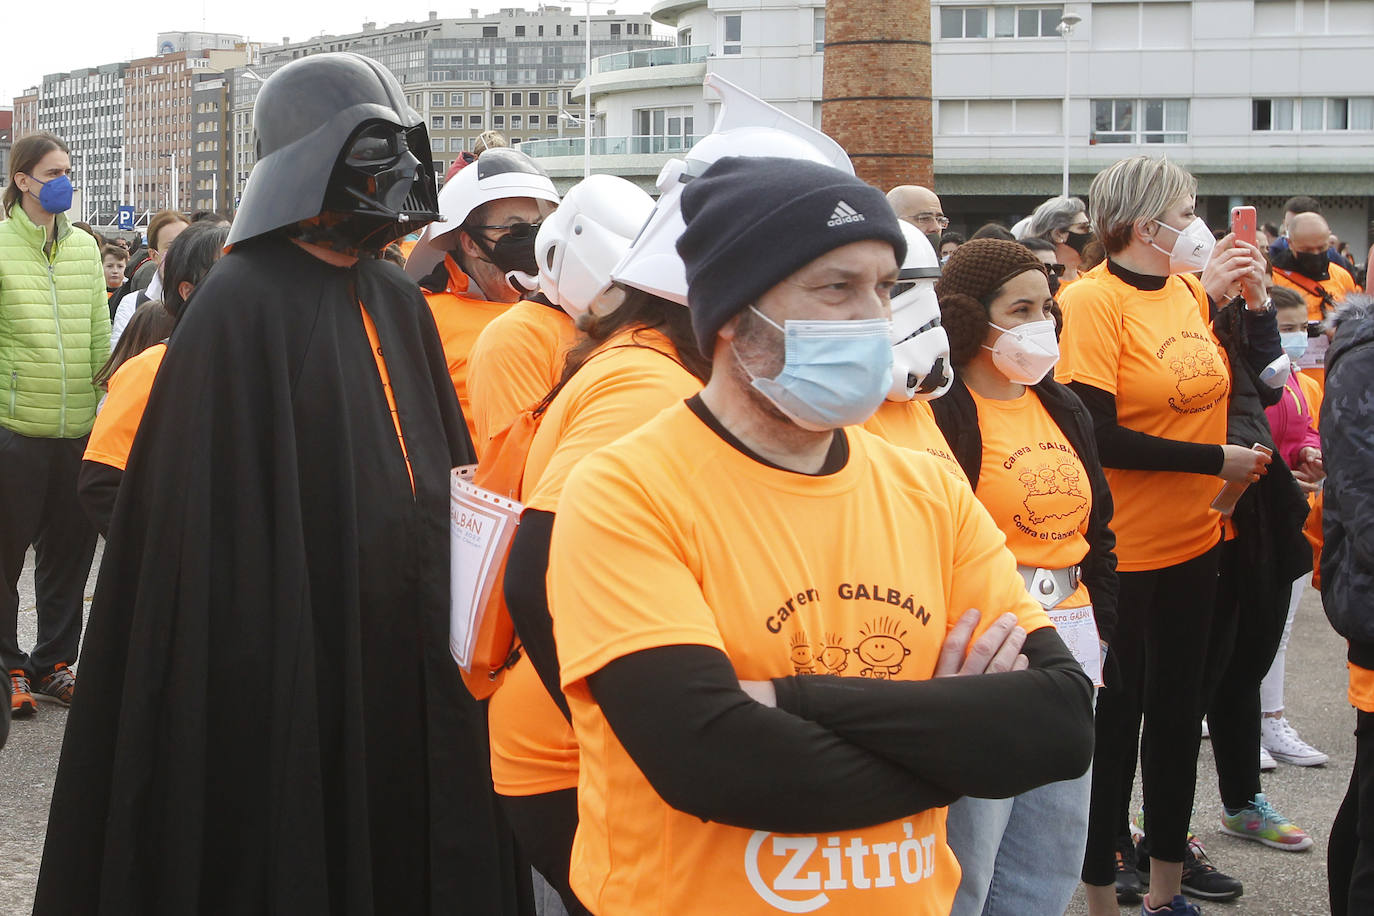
<point x="584" y="238"/>
<point x="499" y="173"/>
<point x="746" y="126"/>
<point x="920" y="346"/>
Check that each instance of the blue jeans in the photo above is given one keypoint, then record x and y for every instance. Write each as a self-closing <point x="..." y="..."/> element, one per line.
<point x="1020" y="855"/>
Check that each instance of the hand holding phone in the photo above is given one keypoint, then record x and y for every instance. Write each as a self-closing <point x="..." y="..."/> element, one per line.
<point x="1243" y="224"/>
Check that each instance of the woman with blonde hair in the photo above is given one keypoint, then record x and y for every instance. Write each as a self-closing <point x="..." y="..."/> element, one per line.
<point x="1139" y="350"/>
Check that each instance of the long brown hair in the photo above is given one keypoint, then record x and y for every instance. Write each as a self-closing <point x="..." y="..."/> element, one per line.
<point x="26" y="153"/>
<point x="641" y="311"/>
<point x="150" y="323"/>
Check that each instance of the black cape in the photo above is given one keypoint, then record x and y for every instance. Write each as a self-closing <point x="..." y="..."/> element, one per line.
<point x="268" y="718"/>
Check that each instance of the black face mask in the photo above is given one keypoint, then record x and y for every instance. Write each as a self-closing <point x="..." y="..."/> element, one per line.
<point x="509" y="253"/>
<point x="1077" y="241"/>
<point x="1311" y="264"/>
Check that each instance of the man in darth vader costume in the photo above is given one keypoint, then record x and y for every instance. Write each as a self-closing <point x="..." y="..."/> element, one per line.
<point x="270" y="721"/>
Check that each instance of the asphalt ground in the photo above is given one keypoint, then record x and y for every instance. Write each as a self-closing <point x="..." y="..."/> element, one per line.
<point x="1277" y="883"/>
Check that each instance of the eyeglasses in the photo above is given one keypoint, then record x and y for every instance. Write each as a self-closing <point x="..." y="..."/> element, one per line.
<point x="516" y="231"/>
<point x="936" y="218"/>
<point x="1056" y="269"/>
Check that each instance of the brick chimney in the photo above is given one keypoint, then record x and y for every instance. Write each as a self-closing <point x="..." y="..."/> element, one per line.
<point x="877" y="88"/>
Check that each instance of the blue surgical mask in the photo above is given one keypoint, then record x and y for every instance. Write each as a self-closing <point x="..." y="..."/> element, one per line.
<point x="835" y="373"/>
<point x="56" y="194"/>
<point x="1294" y="343"/>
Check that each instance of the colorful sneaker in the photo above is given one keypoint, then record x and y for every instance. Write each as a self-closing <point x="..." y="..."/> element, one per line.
<point x="21" y="697"/>
<point x="1128" y="886"/>
<point x="1259" y="821"/>
<point x="1281" y="740"/>
<point x="58" y="684"/>
<point x="1267" y="761"/>
<point x="1176" y="907"/>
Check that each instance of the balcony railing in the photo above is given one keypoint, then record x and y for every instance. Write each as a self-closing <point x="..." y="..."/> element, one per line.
<point x="651" y="57"/>
<point x="607" y="146"/>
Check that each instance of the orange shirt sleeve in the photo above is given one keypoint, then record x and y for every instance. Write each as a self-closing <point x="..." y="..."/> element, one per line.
<point x="1090" y="344"/>
<point x="112" y="437"/>
<point x="635" y="590"/>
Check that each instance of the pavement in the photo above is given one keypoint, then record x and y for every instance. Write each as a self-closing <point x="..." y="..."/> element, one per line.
<point x="1277" y="883"/>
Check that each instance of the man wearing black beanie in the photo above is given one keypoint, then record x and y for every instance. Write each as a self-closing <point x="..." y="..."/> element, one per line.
<point x="755" y="600"/>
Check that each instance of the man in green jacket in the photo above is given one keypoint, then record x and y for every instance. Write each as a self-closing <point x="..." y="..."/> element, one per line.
<point x="54" y="336"/>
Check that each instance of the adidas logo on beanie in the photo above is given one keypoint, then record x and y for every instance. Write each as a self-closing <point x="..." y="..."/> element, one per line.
<point x="844" y="213"/>
<point x="753" y="221"/>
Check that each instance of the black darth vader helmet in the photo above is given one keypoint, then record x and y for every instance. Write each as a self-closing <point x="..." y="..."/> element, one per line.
<point x="335" y="137"/>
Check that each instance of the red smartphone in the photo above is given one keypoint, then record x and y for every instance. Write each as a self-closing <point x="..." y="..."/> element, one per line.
<point x="1243" y="224"/>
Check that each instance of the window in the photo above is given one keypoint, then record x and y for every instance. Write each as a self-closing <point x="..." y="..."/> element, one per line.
<point x="498" y="99"/>
<point x="488" y="31"/>
<point x="574" y="28"/>
<point x="551" y="99"/>
<point x="1006" y="22"/>
<point x="437" y="145"/>
<point x="1312" y="114"/>
<point x="474" y="122"/>
<point x="817" y="31"/>
<point x="436" y="100"/>
<point x="475" y="100"/>
<point x="541" y="31"/>
<point x="534" y="121"/>
<point x="732" y="32"/>
<point x="455" y="100"/>
<point x="455" y="145"/>
<point x="558" y="30"/>
<point x="519" y="31"/>
<point x="615" y="30"/>
<point x="1140" y="121"/>
<point x="455" y="122"/>
<point x="498" y="122"/>
<point x="516" y="99"/>
<point x="436" y="122"/>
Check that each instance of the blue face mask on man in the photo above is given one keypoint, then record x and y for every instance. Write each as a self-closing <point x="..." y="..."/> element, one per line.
<point x="56" y="194"/>
<point x="835" y="373"/>
<point x="1294" y="343"/>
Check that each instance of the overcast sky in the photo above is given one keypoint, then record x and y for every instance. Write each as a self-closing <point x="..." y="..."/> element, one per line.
<point x="86" y="33"/>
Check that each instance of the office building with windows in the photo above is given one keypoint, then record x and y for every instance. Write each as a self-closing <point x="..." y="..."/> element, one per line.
<point x="1259" y="99"/>
<point x="86" y="109"/>
<point x="509" y="71"/>
<point x="649" y="105"/>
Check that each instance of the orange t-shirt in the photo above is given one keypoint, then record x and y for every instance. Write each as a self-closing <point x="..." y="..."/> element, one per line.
<point x="127" y="397"/>
<point x="1034" y="484"/>
<point x="1154" y="351"/>
<point x="514" y="363"/>
<point x="1361" y="691"/>
<point x="460" y="319"/>
<point x="616" y="390"/>
<point x="911" y="424"/>
<point x="670" y="536"/>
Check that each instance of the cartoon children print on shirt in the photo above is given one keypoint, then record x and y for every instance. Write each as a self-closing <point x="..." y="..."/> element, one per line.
<point x="803" y="660"/>
<point x="880" y="648"/>
<point x="1199" y="381"/>
<point x="834" y="657"/>
<point x="1054" y="491"/>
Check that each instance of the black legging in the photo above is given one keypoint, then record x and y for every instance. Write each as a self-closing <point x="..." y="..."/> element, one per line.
<point x="544" y="826"/>
<point x="1350" y="851"/>
<point x="1248" y="630"/>
<point x="1166" y="618"/>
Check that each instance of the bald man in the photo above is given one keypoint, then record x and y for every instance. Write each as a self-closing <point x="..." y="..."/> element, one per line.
<point x="920" y="207"/>
<point x="1304" y="267"/>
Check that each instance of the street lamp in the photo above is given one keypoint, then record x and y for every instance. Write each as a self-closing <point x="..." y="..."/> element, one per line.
<point x="1065" y="28"/>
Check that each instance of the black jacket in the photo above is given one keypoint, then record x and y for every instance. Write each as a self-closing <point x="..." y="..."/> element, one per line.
<point x="270" y="720"/>
<point x="1270" y="515"/>
<point x="957" y="417"/>
<point x="1347" y="427"/>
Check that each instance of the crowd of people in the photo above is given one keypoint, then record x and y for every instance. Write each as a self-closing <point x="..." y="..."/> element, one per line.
<point x="858" y="567"/>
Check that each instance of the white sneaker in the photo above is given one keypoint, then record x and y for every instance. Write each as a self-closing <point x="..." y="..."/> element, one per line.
<point x="1282" y="742"/>
<point x="1267" y="762"/>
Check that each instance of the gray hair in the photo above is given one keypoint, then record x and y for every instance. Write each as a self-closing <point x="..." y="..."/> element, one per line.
<point x="1055" y="213"/>
<point x="1354" y="307"/>
<point x="1135" y="190"/>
